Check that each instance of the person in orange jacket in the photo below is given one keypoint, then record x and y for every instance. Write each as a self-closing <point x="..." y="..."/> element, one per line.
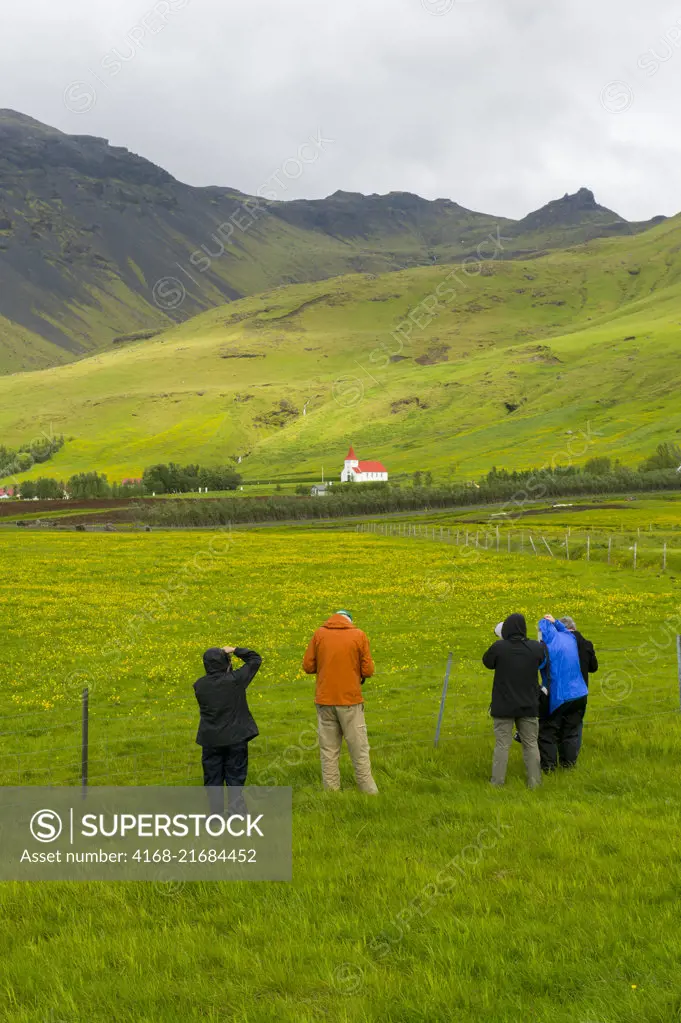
<point x="340" y="657"/>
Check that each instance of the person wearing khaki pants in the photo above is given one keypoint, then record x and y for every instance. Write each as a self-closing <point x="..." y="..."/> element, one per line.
<point x="528" y="732"/>
<point x="334" y="725"/>
<point x="340" y="656"/>
<point x="515" y="661"/>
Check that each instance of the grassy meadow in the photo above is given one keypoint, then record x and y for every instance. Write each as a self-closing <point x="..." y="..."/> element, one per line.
<point x="517" y="363"/>
<point x="630" y="515"/>
<point x="442" y="899"/>
<point x="610" y="530"/>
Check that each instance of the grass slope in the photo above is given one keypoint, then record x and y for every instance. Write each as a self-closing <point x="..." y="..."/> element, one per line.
<point x="440" y="900"/>
<point x="583" y="343"/>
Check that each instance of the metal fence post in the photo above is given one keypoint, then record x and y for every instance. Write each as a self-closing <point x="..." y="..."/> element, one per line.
<point x="443" y="698"/>
<point x="85" y="741"/>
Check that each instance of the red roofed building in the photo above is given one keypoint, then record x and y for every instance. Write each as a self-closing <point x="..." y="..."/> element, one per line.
<point x="362" y="472"/>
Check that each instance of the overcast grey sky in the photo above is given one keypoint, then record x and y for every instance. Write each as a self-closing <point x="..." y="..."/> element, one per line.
<point x="500" y="106"/>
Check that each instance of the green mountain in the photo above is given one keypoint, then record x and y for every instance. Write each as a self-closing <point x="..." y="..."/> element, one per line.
<point x="451" y="368"/>
<point x="98" y="244"/>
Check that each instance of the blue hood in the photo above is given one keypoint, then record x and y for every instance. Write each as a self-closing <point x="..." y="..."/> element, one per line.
<point x="567" y="682"/>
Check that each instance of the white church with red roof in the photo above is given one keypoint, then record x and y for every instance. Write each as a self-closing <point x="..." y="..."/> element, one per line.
<point x="362" y="472"/>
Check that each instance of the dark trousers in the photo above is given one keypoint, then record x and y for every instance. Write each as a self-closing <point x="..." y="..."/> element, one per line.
<point x="225" y="765"/>
<point x="560" y="735"/>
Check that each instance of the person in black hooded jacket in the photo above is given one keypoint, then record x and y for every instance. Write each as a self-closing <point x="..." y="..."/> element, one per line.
<point x="515" y="660"/>
<point x="226" y="724"/>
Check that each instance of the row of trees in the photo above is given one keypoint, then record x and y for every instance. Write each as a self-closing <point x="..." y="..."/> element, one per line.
<point x="158" y="479"/>
<point x="82" y="485"/>
<point x="187" y="479"/>
<point x="667" y="456"/>
<point x="382" y="498"/>
<point x="37" y="451"/>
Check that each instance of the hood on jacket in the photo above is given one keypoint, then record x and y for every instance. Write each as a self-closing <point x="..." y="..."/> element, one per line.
<point x="338" y="621"/>
<point x="216" y="661"/>
<point x="515" y="625"/>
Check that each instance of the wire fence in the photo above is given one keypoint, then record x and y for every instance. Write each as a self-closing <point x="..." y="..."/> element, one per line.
<point x="109" y="740"/>
<point x="636" y="551"/>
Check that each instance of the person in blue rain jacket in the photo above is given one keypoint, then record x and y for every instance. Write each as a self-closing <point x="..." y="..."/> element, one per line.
<point x="560" y="729"/>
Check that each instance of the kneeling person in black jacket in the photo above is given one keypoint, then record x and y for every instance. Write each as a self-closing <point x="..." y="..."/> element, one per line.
<point x="226" y="726"/>
<point x="515" y="660"/>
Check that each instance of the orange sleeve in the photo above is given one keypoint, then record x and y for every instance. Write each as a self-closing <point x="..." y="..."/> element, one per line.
<point x="367" y="666"/>
<point x="310" y="658"/>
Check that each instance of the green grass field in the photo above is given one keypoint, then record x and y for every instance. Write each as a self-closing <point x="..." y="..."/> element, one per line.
<point x="522" y="363"/>
<point x="633" y="514"/>
<point x="440" y="900"/>
<point x="613" y="530"/>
